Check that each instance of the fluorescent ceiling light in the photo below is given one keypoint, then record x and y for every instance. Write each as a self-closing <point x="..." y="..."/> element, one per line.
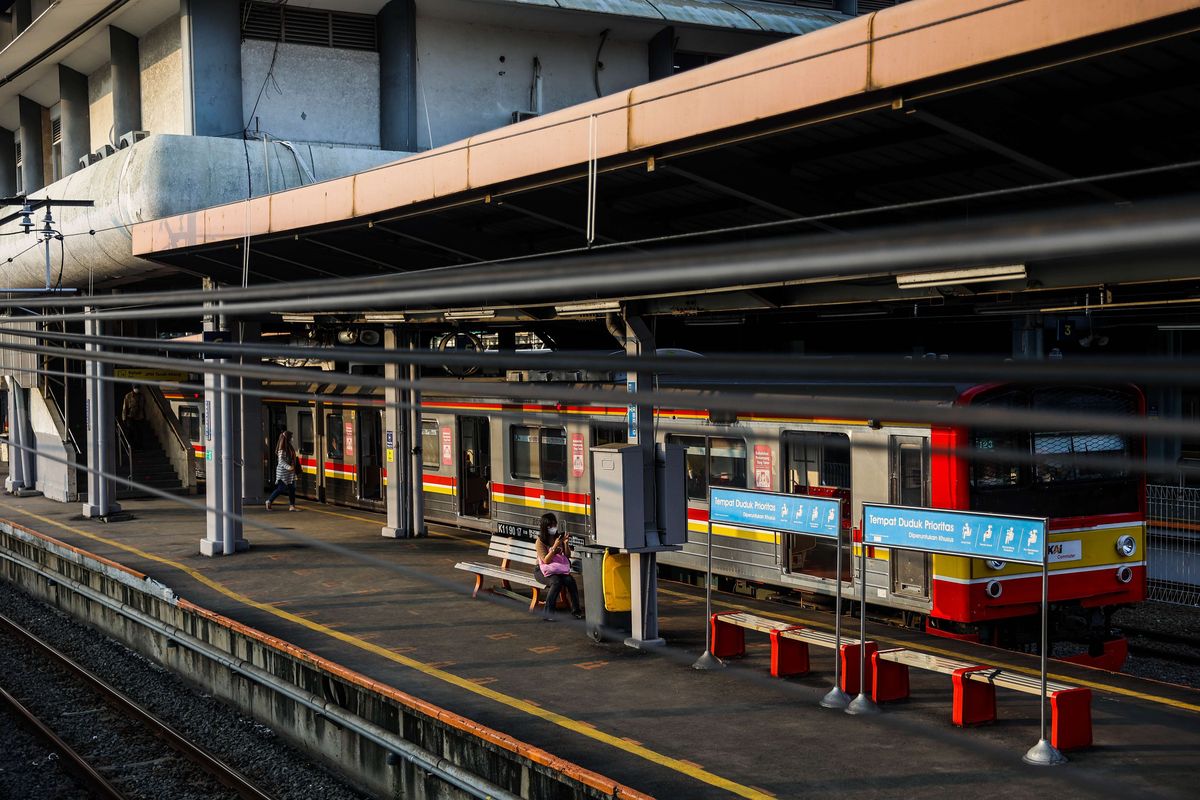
<point x="384" y="317"/>
<point x="583" y="309"/>
<point x="955" y="277"/>
<point x="478" y="313"/>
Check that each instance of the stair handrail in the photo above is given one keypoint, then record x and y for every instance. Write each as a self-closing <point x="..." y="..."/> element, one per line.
<point x="185" y="460"/>
<point x="66" y="426"/>
<point x="125" y="447"/>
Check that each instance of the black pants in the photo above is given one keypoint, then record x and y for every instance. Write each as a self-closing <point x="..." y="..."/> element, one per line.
<point x="280" y="487"/>
<point x="554" y="585"/>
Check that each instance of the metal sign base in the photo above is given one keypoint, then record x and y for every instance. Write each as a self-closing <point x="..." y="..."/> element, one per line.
<point x="1044" y="754"/>
<point x="835" y="699"/>
<point x="862" y="706"/>
<point x="708" y="661"/>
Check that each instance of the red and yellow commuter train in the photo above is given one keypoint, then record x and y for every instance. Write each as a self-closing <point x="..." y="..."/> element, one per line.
<point x="493" y="465"/>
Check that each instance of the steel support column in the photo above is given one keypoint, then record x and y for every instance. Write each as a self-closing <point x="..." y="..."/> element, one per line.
<point x="250" y="428"/>
<point x="403" y="470"/>
<point x="101" y="428"/>
<point x="643" y="566"/>
<point x="223" y="533"/>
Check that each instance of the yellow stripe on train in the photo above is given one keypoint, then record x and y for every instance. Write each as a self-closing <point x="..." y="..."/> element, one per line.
<point x="1079" y="549"/>
<point x="561" y="506"/>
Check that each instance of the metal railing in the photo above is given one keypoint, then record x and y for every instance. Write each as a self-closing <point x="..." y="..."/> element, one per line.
<point x="124" y="451"/>
<point x="1173" y="544"/>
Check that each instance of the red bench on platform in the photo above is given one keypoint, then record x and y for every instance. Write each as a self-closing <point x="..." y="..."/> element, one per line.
<point x="974" y="701"/>
<point x="789" y="645"/>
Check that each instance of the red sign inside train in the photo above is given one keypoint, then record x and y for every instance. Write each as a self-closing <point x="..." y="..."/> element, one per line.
<point x="577" y="455"/>
<point x="447" y="446"/>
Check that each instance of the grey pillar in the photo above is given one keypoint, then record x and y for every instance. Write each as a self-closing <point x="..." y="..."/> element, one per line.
<point x="416" y="468"/>
<point x="22" y="460"/>
<point x="250" y="448"/>
<point x="76" y="133"/>
<point x="1028" y="340"/>
<point x="22" y="15"/>
<point x="33" y="171"/>
<point x="398" y="76"/>
<point x="398" y="494"/>
<point x="643" y="567"/>
<point x="101" y="429"/>
<point x="662" y="54"/>
<point x="211" y="43"/>
<point x="222" y="533"/>
<point x="848" y="7"/>
<point x="8" y="162"/>
<point x="126" y="82"/>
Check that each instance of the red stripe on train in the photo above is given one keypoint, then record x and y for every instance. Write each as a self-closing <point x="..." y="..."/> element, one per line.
<point x="538" y="492"/>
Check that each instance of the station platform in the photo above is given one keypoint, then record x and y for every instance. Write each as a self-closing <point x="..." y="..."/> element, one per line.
<point x="643" y="718"/>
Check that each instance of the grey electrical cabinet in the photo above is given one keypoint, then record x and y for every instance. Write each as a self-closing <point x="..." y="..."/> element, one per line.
<point x="619" y="495"/>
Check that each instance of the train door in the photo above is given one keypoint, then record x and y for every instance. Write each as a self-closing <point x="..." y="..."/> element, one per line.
<point x="370" y="465"/>
<point x="308" y="481"/>
<point x="274" y="423"/>
<point x="909" y="462"/>
<point x="817" y="463"/>
<point x="474" y="467"/>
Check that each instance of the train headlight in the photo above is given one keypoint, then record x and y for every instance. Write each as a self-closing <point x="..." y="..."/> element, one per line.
<point x="994" y="589"/>
<point x="994" y="564"/>
<point x="1124" y="574"/>
<point x="1126" y="546"/>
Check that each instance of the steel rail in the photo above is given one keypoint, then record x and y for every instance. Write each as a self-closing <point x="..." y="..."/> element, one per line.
<point x="75" y="763"/>
<point x="1149" y="227"/>
<point x="436" y="765"/>
<point x="220" y="771"/>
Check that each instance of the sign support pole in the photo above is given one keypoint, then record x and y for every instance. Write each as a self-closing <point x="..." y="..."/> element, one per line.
<point x="836" y="698"/>
<point x="863" y="704"/>
<point x="1044" y="754"/>
<point x="708" y="660"/>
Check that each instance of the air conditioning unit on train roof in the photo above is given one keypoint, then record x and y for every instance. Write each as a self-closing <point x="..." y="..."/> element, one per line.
<point x="554" y="376"/>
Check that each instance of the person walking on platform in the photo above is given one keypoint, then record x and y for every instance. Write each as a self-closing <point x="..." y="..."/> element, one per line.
<point x="285" y="471"/>
<point x="133" y="416"/>
<point x="554" y="567"/>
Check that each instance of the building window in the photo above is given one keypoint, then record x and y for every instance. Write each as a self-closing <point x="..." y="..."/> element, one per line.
<point x="275" y="22"/>
<point x="20" y="162"/>
<point x="56" y="166"/>
<point x="430" y="445"/>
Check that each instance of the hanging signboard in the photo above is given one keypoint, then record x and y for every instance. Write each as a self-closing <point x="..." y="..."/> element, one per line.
<point x="786" y="513"/>
<point x="961" y="533"/>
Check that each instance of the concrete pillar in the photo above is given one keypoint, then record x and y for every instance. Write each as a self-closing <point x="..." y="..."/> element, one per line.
<point x="211" y="43"/>
<point x="643" y="566"/>
<point x="8" y="162"/>
<point x="662" y="54"/>
<point x="398" y="76"/>
<point x="101" y="429"/>
<point x="417" y="468"/>
<point x="1028" y="338"/>
<point x="222" y="533"/>
<point x="847" y="7"/>
<point x="397" y="436"/>
<point x="76" y="132"/>
<point x="250" y="440"/>
<point x="22" y="15"/>
<point x="33" y="170"/>
<point x="126" y="82"/>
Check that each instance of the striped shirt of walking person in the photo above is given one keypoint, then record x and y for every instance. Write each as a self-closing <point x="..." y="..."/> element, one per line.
<point x="285" y="471"/>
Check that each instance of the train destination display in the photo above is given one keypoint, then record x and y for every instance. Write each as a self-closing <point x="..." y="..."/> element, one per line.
<point x="788" y="513"/>
<point x="964" y="533"/>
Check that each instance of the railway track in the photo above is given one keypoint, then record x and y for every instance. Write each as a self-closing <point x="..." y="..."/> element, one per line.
<point x="84" y="768"/>
<point x="1182" y="648"/>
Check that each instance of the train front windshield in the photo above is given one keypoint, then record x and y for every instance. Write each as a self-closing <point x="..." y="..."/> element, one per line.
<point x="1038" y="473"/>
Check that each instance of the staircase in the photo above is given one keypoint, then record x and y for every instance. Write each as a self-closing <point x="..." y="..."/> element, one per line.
<point x="152" y="468"/>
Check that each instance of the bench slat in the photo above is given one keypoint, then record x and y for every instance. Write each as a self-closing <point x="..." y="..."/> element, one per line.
<point x="994" y="675"/>
<point x="496" y="572"/>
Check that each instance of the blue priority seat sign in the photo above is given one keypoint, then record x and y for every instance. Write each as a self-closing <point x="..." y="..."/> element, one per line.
<point x="964" y="533"/>
<point x="788" y="513"/>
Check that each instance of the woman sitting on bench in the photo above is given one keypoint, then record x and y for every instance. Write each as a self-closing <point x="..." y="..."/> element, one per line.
<point x="554" y="567"/>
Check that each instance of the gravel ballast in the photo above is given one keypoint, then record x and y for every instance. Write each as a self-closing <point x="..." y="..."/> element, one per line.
<point x="141" y="768"/>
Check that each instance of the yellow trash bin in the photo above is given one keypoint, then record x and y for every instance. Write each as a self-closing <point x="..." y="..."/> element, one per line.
<point x="616" y="582"/>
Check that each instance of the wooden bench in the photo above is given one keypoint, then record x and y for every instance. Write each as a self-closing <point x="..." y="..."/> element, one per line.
<point x="975" y="692"/>
<point x="789" y="645"/>
<point x="509" y="551"/>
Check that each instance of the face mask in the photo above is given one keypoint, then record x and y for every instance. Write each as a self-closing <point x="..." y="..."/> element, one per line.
<point x="553" y="529"/>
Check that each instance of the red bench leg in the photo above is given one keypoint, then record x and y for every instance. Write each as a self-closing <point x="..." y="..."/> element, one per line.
<point x="788" y="656"/>
<point x="1071" y="719"/>
<point x="889" y="680"/>
<point x="728" y="641"/>
<point x="850" y="659"/>
<point x="974" y="701"/>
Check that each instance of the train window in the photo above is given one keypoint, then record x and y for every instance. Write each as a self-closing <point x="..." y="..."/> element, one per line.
<point x="524" y="443"/>
<point x="305" y="424"/>
<point x="553" y="455"/>
<point x="609" y="434"/>
<point x="1070" y="444"/>
<point x="696" y="464"/>
<point x="333" y="436"/>
<point x="817" y="460"/>
<point x="431" y="446"/>
<point x="189" y="420"/>
<point x="726" y="462"/>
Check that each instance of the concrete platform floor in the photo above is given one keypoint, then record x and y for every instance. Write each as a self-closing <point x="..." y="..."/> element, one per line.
<point x="643" y="718"/>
